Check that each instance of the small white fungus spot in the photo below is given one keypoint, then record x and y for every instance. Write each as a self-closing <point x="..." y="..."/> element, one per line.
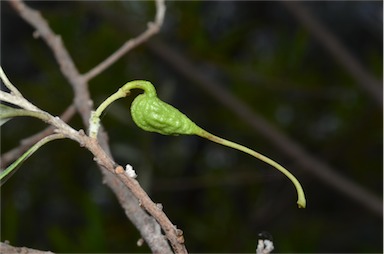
<point x="130" y="171"/>
<point x="264" y="246"/>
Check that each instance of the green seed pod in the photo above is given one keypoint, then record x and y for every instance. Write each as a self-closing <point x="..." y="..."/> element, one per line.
<point x="152" y="114"/>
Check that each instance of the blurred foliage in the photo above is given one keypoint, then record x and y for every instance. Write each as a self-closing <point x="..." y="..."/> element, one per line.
<point x="220" y="198"/>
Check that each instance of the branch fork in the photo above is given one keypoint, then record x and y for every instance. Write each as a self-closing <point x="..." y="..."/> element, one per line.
<point x="127" y="189"/>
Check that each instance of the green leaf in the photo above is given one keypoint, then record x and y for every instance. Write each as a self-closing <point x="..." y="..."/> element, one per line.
<point x="14" y="166"/>
<point x="7" y="113"/>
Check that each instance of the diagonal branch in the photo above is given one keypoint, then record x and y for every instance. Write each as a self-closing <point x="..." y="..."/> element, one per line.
<point x="140" y="200"/>
<point x="82" y="97"/>
<point x="291" y="148"/>
<point x="153" y="28"/>
<point x="128" y="195"/>
<point x="7" y="248"/>
<point x="8" y="83"/>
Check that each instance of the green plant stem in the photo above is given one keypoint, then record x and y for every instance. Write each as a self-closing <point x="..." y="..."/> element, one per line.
<point x="94" y="121"/>
<point x="301" y="197"/>
<point x="10" y="112"/>
<point x="152" y="114"/>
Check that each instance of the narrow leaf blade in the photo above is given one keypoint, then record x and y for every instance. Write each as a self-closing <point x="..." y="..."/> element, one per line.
<point x="7" y="113"/>
<point x="11" y="169"/>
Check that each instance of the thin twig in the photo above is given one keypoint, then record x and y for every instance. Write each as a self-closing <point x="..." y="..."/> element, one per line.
<point x="7" y="248"/>
<point x="101" y="150"/>
<point x="291" y="148"/>
<point x="8" y="83"/>
<point x="16" y="100"/>
<point x="103" y="159"/>
<point x="82" y="97"/>
<point x="153" y="28"/>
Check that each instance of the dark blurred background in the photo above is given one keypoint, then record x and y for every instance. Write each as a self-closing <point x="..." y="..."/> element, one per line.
<point x="259" y="53"/>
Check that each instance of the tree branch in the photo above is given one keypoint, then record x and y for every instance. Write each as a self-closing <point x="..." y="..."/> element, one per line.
<point x="101" y="151"/>
<point x="153" y="28"/>
<point x="8" y="83"/>
<point x="82" y="97"/>
<point x="6" y="248"/>
<point x="285" y="144"/>
<point x="104" y="160"/>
